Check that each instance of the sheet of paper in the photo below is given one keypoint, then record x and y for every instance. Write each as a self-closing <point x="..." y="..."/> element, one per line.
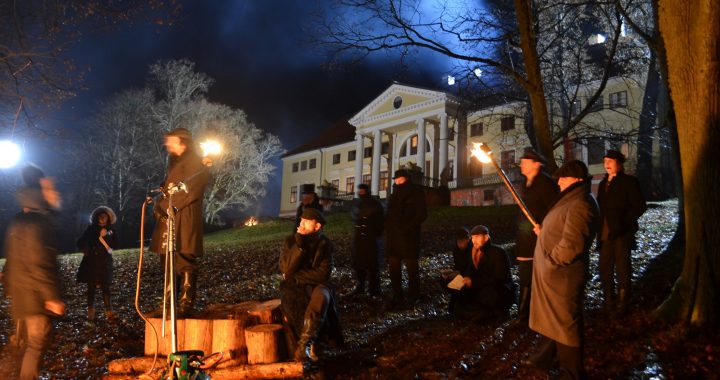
<point x="457" y="283"/>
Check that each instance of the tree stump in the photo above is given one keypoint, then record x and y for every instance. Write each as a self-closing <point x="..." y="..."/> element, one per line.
<point x="198" y="335"/>
<point x="166" y="341"/>
<point x="267" y="312"/>
<point x="265" y="343"/>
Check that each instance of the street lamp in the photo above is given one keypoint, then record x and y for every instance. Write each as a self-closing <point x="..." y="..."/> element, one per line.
<point x="9" y="154"/>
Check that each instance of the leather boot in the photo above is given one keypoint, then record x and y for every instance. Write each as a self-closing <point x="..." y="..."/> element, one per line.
<point x="524" y="304"/>
<point x="608" y="300"/>
<point x="307" y="349"/>
<point x="188" y="289"/>
<point x="623" y="299"/>
<point x="108" y="307"/>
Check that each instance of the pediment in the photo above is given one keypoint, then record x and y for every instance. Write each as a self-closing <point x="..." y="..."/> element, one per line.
<point x="398" y="99"/>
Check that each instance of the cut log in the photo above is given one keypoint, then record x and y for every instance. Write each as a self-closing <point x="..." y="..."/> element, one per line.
<point x="198" y="335"/>
<point x="265" y="343"/>
<point x="267" y="312"/>
<point x="228" y="337"/>
<point x="130" y="368"/>
<point x="165" y="342"/>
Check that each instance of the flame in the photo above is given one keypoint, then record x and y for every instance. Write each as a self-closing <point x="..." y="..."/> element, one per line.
<point x="252" y="221"/>
<point x="210" y="147"/>
<point x="480" y="154"/>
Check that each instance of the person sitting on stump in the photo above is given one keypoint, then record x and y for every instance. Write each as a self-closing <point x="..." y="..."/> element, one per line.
<point x="488" y="290"/>
<point x="462" y="253"/>
<point x="307" y="298"/>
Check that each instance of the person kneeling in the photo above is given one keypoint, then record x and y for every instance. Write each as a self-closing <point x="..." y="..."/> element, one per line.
<point x="487" y="290"/>
<point x="307" y="298"/>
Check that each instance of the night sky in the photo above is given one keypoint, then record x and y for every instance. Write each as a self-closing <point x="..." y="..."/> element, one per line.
<point x="259" y="56"/>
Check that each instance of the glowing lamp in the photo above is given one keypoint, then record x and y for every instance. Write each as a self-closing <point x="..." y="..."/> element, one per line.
<point x="478" y="72"/>
<point x="9" y="154"/>
<point x="210" y="147"/>
<point x="450" y="80"/>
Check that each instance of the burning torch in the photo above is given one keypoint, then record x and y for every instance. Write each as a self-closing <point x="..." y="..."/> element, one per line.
<point x="485" y="155"/>
<point x="210" y="148"/>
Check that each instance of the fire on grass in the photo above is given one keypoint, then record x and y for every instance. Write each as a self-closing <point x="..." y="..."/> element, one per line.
<point x="251" y="221"/>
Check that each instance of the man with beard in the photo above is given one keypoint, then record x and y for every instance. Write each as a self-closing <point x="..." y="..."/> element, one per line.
<point x="560" y="272"/>
<point x="186" y="166"/>
<point x="538" y="192"/>
<point x="406" y="212"/>
<point x="307" y="298"/>
<point x="367" y="216"/>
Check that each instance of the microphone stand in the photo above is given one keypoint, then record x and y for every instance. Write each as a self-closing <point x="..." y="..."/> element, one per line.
<point x="170" y="249"/>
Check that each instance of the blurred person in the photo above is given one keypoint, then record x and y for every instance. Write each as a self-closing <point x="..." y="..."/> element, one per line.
<point x="186" y="166"/>
<point x="560" y="272"/>
<point x="31" y="270"/>
<point x="621" y="205"/>
<point x="462" y="256"/>
<point x="96" y="268"/>
<point x="308" y="199"/>
<point x="368" y="218"/>
<point x="538" y="192"/>
<point x="406" y="211"/>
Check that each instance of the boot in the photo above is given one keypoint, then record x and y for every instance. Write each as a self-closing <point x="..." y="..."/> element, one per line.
<point x="608" y="300"/>
<point x="109" y="314"/>
<point x="307" y="349"/>
<point x="623" y="299"/>
<point x="524" y="304"/>
<point x="188" y="288"/>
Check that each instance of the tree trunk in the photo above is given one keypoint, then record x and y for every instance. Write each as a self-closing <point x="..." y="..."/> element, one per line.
<point x="644" y="170"/>
<point x="690" y="29"/>
<point x="265" y="343"/>
<point x="534" y="84"/>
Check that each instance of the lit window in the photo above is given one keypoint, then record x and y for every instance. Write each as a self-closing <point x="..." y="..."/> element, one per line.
<point x="293" y="194"/>
<point x="350" y="185"/>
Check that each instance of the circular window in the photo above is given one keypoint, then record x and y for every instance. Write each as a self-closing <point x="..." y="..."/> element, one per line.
<point x="397" y="102"/>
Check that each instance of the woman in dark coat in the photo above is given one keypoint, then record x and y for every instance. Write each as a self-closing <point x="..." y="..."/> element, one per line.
<point x="96" y="269"/>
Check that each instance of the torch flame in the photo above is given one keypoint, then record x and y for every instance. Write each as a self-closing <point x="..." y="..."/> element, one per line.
<point x="251" y="222"/>
<point x="480" y="154"/>
<point x="210" y="147"/>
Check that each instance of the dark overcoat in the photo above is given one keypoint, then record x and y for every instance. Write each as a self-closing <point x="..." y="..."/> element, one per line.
<point x="406" y="212"/>
<point x="492" y="283"/>
<point x="96" y="266"/>
<point x="368" y="222"/>
<point x="560" y="265"/>
<point x="189" y="169"/>
<point x="537" y="197"/>
<point x="621" y="205"/>
<point x="31" y="269"/>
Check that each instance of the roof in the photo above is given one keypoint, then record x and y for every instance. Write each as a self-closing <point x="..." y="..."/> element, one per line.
<point x="339" y="133"/>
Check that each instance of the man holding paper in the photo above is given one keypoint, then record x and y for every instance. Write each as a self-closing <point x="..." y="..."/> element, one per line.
<point x="486" y="289"/>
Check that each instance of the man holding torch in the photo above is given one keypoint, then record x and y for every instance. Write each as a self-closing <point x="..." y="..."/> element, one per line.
<point x="187" y="167"/>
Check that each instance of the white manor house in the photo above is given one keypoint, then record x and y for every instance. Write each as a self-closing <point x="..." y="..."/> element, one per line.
<point x="432" y="131"/>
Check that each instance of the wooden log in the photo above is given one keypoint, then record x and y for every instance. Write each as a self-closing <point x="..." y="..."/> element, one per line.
<point x="131" y="367"/>
<point x="265" y="343"/>
<point x="228" y="337"/>
<point x="267" y="312"/>
<point x="198" y="335"/>
<point x="165" y="342"/>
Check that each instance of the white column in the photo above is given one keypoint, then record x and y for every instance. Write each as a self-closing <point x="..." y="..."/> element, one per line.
<point x="358" y="161"/>
<point x="443" y="149"/>
<point x="395" y="158"/>
<point x="421" y="146"/>
<point x="375" y="170"/>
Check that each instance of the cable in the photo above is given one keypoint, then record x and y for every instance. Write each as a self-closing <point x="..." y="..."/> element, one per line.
<point x="147" y="201"/>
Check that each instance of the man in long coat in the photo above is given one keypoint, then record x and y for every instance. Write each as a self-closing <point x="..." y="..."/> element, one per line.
<point x="406" y="212"/>
<point x="31" y="270"/>
<point x="187" y="167"/>
<point x="560" y="272"/>
<point x="621" y="205"/>
<point x="538" y="193"/>
<point x="367" y="215"/>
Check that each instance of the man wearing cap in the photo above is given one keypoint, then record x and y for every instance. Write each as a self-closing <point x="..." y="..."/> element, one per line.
<point x="462" y="256"/>
<point x="308" y="199"/>
<point x="621" y="205"/>
<point x="559" y="268"/>
<point x="368" y="219"/>
<point x="405" y="214"/>
<point x="538" y="192"/>
<point x="305" y="293"/>
<point x="488" y="290"/>
<point x="186" y="166"/>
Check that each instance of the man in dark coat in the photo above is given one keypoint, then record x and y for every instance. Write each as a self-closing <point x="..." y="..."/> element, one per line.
<point x="488" y="290"/>
<point x="462" y="257"/>
<point x="31" y="270"/>
<point x="406" y="212"/>
<point x="538" y="192"/>
<point x="368" y="219"/>
<point x="621" y="205"/>
<point x="184" y="166"/>
<point x="560" y="272"/>
<point x="308" y="199"/>
<point x="306" y="296"/>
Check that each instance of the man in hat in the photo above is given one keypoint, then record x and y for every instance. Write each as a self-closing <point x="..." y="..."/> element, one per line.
<point x="31" y="270"/>
<point x="306" y="296"/>
<point x="406" y="211"/>
<point x="462" y="256"/>
<point x="488" y="290"/>
<point x="559" y="267"/>
<point x="538" y="192"/>
<point x="308" y="199"/>
<point x="621" y="205"/>
<point x="187" y="167"/>
<point x="367" y="216"/>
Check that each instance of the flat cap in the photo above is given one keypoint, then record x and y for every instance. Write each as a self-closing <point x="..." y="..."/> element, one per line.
<point x="402" y="173"/>
<point x="479" y="230"/>
<point x="574" y="168"/>
<point x="313" y="214"/>
<point x="533" y="155"/>
<point x="615" y="155"/>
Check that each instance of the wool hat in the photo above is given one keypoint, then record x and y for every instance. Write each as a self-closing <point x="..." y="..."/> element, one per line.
<point x="313" y="214"/>
<point x="364" y="186"/>
<point x="574" y="168"/>
<point x="615" y="155"/>
<point x="308" y="188"/>
<point x="533" y="155"/>
<point x="479" y="230"/>
<point x="402" y="173"/>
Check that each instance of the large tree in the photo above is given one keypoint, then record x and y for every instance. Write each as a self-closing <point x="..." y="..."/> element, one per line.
<point x="689" y="30"/>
